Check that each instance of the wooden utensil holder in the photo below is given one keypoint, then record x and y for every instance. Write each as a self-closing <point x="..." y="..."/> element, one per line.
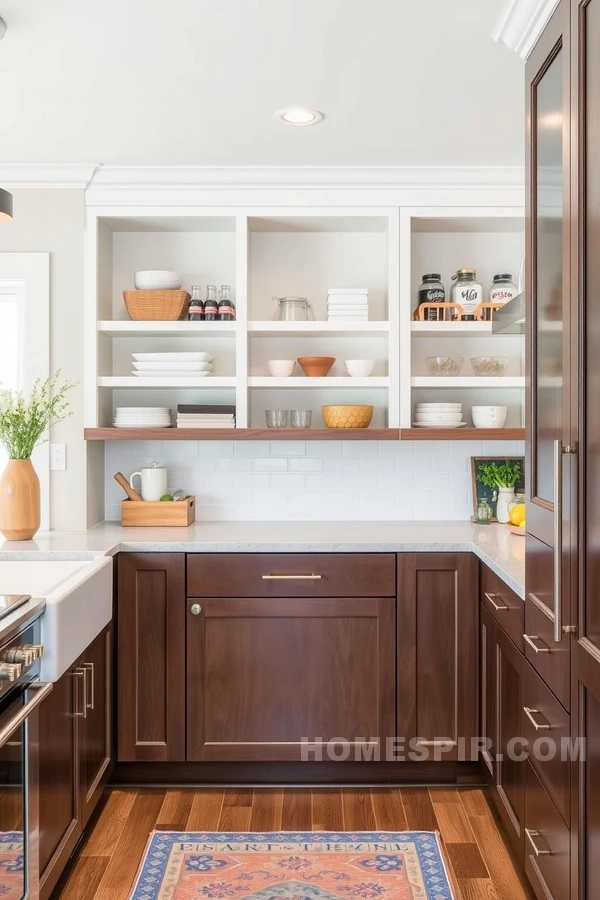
<point x="162" y="514"/>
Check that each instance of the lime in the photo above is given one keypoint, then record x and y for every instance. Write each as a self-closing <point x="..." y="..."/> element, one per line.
<point x="166" y="497"/>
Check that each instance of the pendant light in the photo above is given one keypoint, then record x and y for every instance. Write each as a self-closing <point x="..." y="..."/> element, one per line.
<point x="6" y="206"/>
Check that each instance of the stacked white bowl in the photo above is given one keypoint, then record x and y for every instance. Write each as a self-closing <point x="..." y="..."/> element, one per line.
<point x="438" y="415"/>
<point x="157" y="280"/>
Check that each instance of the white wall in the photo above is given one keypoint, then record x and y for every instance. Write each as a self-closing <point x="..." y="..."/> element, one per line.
<point x="326" y="480"/>
<point x="52" y="220"/>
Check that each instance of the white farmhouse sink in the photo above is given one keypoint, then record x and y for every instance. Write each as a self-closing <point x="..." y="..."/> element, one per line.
<point x="78" y="604"/>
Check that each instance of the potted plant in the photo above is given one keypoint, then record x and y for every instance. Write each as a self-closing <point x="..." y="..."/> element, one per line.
<point x="501" y="478"/>
<point x="24" y="420"/>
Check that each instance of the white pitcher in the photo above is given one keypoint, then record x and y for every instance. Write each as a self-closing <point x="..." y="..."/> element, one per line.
<point x="153" y="483"/>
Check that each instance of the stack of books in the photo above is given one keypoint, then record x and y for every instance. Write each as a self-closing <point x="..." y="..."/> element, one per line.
<point x="348" y="304"/>
<point x="193" y="416"/>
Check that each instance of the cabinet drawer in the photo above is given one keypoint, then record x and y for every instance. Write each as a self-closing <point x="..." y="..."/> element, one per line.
<point x="546" y="842"/>
<point x="551" y="660"/>
<point x="291" y="575"/>
<point x="504" y="605"/>
<point x="545" y="718"/>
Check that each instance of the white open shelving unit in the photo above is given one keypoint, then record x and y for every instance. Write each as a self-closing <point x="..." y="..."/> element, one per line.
<point x="266" y="252"/>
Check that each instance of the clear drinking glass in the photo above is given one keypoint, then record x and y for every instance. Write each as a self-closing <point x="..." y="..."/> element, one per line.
<point x="277" y="418"/>
<point x="300" y="418"/>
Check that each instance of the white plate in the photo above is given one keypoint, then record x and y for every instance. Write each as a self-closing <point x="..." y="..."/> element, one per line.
<point x="180" y="366"/>
<point x="439" y="424"/>
<point x="171" y="373"/>
<point x="441" y="406"/>
<point x="144" y="410"/>
<point x="173" y="357"/>
<point x="143" y="425"/>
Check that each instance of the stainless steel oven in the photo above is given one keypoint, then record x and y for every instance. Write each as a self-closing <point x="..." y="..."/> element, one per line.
<point x="20" y="696"/>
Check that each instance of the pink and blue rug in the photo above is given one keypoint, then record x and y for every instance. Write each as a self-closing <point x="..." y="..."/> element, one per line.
<point x="405" y="865"/>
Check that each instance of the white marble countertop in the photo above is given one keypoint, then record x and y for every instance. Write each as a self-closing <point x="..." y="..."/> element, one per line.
<point x="503" y="552"/>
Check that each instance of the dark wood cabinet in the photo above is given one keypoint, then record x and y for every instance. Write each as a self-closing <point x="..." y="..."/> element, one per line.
<point x="509" y="783"/>
<point x="60" y="827"/>
<point x="266" y="674"/>
<point x="95" y="734"/>
<point x="75" y="756"/>
<point x="437" y="641"/>
<point x="151" y="623"/>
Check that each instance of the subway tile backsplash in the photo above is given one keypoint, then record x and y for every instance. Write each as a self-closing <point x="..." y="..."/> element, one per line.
<point x="329" y="480"/>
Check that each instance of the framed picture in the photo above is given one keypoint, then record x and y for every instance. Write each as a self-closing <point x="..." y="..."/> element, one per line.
<point x="482" y="490"/>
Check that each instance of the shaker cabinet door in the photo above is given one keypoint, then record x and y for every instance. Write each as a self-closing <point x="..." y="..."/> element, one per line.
<point x="265" y="675"/>
<point x="437" y="634"/>
<point x="151" y="655"/>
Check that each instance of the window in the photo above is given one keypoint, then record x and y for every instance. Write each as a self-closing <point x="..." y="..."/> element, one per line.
<point x="24" y="341"/>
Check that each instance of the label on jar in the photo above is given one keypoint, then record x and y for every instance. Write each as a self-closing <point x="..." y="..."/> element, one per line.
<point x="469" y="297"/>
<point x="431" y="295"/>
<point x="502" y="294"/>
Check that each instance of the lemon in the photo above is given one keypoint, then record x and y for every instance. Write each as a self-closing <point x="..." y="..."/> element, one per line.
<point x="517" y="514"/>
<point x="166" y="497"/>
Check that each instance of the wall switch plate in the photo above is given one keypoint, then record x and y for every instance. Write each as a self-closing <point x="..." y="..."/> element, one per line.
<point x="58" y="457"/>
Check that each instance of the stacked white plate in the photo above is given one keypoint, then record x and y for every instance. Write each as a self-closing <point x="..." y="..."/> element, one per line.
<point x="439" y="415"/>
<point x="157" y="280"/>
<point x="172" y="365"/>
<point x="142" y="417"/>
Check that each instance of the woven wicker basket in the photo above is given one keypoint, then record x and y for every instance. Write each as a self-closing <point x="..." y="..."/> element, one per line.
<point x="157" y="306"/>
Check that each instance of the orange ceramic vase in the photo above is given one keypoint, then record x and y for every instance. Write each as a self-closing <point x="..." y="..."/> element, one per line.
<point x="19" y="500"/>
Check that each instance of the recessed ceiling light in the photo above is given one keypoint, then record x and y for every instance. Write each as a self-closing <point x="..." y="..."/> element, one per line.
<point x="298" y="115"/>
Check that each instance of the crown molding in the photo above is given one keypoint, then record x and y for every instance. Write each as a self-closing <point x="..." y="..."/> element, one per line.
<point x="141" y="177"/>
<point x="522" y="22"/>
<point x="24" y="175"/>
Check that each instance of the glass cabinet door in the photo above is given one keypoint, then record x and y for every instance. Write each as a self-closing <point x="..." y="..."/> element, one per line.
<point x="548" y="293"/>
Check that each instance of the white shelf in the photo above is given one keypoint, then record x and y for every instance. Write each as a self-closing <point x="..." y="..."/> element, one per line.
<point x="330" y="381"/>
<point x="132" y="381"/>
<point x="306" y="329"/>
<point x="452" y="329"/>
<point x="468" y="381"/>
<point x="164" y="329"/>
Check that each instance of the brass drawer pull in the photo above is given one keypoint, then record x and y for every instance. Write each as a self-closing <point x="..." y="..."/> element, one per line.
<point x="312" y="577"/>
<point x="530" y="638"/>
<point x="496" y="606"/>
<point x="530" y="836"/>
<point x="529" y="713"/>
<point x="81" y="712"/>
<point x="90" y="668"/>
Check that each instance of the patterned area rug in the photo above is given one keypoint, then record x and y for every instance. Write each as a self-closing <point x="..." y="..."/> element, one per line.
<point x="405" y="865"/>
<point x="11" y="865"/>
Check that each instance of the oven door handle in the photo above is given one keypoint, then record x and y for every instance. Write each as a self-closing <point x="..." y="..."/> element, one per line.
<point x="41" y="691"/>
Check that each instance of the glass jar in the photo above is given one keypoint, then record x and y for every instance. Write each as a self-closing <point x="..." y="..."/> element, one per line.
<point x="431" y="290"/>
<point x="483" y="513"/>
<point x="467" y="292"/>
<point x="294" y="309"/>
<point x="502" y="290"/>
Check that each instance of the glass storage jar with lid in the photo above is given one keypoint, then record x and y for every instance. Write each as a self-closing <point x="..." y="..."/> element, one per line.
<point x="294" y="309"/>
<point x="467" y="292"/>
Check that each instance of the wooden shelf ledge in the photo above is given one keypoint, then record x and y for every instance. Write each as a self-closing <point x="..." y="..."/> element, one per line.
<point x="304" y="434"/>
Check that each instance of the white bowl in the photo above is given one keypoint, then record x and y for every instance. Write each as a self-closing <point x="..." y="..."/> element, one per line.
<point x="489" y="416"/>
<point x="281" y="368"/>
<point x="157" y="280"/>
<point x="360" y="368"/>
<point x="448" y="406"/>
<point x="438" y="417"/>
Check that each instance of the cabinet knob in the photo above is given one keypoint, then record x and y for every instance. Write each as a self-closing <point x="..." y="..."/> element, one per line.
<point x="10" y="671"/>
<point x="195" y="609"/>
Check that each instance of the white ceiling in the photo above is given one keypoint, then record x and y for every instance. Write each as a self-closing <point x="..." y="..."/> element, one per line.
<point x="196" y="82"/>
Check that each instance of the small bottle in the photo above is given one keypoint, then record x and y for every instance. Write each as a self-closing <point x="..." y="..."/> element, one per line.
<point x="467" y="292"/>
<point x="483" y="514"/>
<point x="196" y="307"/>
<point x="226" y="307"/>
<point x="502" y="290"/>
<point x="211" y="307"/>
<point x="432" y="290"/>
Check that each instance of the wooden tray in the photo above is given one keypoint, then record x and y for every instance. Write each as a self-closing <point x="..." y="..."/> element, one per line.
<point x="517" y="529"/>
<point x="163" y="514"/>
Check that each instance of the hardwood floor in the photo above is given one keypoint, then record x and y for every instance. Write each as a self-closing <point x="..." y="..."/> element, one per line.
<point x="478" y="859"/>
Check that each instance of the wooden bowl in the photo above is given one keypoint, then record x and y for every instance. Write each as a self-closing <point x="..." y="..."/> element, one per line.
<point x="316" y="366"/>
<point x="516" y="529"/>
<point x="347" y="416"/>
